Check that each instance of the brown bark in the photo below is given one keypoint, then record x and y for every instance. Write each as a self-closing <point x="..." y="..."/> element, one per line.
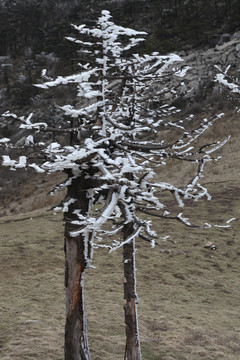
<point x="77" y="251"/>
<point x="76" y="341"/>
<point x="133" y="350"/>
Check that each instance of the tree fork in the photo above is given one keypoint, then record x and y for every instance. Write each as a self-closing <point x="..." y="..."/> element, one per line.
<point x="132" y="350"/>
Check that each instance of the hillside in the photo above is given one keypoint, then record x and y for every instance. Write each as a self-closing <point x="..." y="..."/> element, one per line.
<point x="188" y="294"/>
<point x="188" y="291"/>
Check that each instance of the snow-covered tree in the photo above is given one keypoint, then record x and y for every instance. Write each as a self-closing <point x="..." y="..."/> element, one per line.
<point x="117" y="138"/>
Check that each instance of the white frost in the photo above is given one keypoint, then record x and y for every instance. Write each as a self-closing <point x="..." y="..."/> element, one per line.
<point x="233" y="87"/>
<point x="8" y="162"/>
<point x="4" y="140"/>
<point x="37" y="168"/>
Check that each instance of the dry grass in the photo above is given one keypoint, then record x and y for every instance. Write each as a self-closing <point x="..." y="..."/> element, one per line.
<point x="20" y="193"/>
<point x="32" y="305"/>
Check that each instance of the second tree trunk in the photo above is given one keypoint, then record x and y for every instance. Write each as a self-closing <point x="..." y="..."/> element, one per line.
<point x="133" y="350"/>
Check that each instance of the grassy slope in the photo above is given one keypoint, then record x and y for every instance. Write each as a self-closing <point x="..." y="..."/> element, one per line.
<point x="188" y="295"/>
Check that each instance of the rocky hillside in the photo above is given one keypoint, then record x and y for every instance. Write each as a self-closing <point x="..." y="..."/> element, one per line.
<point x="198" y="88"/>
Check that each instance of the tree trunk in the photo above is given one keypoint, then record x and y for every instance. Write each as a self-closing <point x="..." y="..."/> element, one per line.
<point x="77" y="254"/>
<point x="76" y="340"/>
<point x="132" y="350"/>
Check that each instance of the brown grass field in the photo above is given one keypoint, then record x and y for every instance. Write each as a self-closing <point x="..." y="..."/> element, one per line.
<point x="188" y="295"/>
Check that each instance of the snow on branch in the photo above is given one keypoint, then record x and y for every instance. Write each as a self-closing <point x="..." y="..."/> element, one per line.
<point x="126" y="241"/>
<point x="221" y="78"/>
<point x="226" y="80"/>
<point x="26" y="122"/>
<point x="4" y="140"/>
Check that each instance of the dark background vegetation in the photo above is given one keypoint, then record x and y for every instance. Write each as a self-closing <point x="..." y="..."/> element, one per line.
<point x="32" y="34"/>
<point x="41" y="25"/>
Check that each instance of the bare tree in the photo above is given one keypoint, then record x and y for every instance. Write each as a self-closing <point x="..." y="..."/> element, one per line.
<point x="117" y="138"/>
